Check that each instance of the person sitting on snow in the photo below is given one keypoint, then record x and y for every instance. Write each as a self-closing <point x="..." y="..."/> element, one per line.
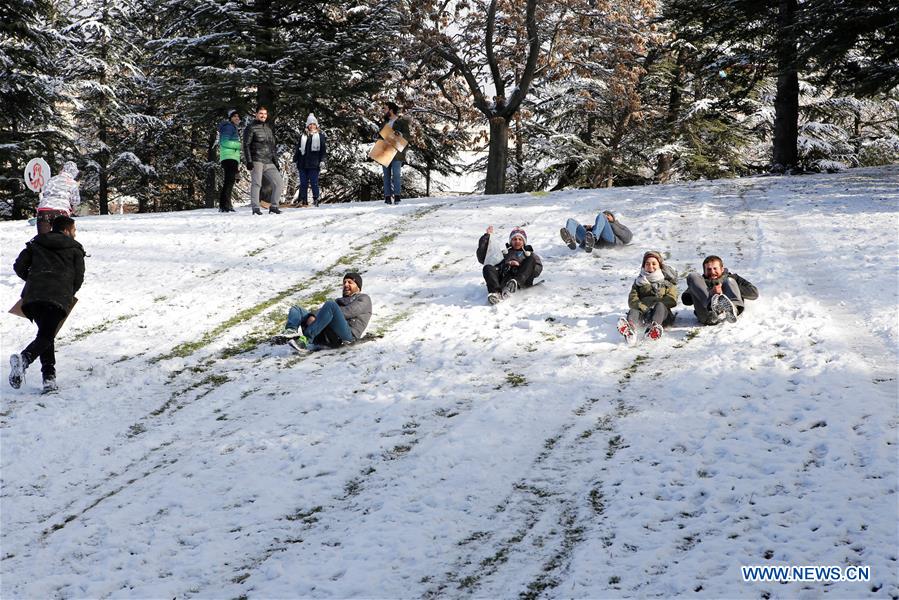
<point x="607" y="232"/>
<point x="717" y="295"/>
<point x="59" y="197"/>
<point x="337" y="322"/>
<point x="651" y="299"/>
<point x="518" y="268"/>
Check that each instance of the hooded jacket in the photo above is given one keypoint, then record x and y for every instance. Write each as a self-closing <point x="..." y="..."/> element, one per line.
<point x="229" y="141"/>
<point x="52" y="265"/>
<point x="62" y="192"/>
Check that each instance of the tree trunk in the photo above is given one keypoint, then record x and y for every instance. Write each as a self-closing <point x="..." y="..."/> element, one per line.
<point x="103" y="175"/>
<point x="786" y="102"/>
<point x="519" y="156"/>
<point x="497" y="156"/>
<point x="666" y="160"/>
<point x="210" y="172"/>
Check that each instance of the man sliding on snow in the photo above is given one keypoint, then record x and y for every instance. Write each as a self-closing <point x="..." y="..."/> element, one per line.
<point x="717" y="295"/>
<point x="337" y="322"/>
<point x="518" y="268"/>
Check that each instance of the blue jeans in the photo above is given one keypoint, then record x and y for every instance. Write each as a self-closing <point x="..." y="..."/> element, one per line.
<point x="602" y="230"/>
<point x="328" y="316"/>
<point x="392" y="178"/>
<point x="309" y="177"/>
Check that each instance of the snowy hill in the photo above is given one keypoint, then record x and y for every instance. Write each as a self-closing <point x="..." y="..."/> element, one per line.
<point x="472" y="450"/>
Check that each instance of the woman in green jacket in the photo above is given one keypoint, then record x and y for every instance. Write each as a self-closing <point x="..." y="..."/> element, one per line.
<point x="651" y="299"/>
<point x="229" y="155"/>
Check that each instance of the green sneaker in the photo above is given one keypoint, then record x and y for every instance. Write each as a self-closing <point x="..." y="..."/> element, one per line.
<point x="299" y="343"/>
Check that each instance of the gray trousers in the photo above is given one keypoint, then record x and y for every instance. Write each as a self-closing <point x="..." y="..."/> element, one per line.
<point x="270" y="172"/>
<point x="702" y="295"/>
<point x="658" y="313"/>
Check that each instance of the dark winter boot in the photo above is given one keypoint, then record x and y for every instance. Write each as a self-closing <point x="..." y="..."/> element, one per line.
<point x="257" y="210"/>
<point x="396" y="199"/>
<point x="388" y="199"/>
<point x="274" y="210"/>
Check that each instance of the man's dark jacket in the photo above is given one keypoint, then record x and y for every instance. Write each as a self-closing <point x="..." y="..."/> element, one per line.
<point x="52" y="265"/>
<point x="259" y="144"/>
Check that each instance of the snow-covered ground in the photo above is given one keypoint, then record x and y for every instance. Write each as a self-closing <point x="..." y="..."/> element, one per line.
<point x="472" y="450"/>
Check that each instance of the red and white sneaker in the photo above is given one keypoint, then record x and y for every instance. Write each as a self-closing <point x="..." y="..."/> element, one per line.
<point x="627" y="329"/>
<point x="654" y="331"/>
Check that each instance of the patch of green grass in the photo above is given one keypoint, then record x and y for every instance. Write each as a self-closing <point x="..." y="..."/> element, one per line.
<point x="213" y="381"/>
<point x="597" y="501"/>
<point x="136" y="429"/>
<point x="353" y="487"/>
<point x="307" y="517"/>
<point x="539" y="194"/>
<point x="516" y="379"/>
<point x="77" y="337"/>
<point x="615" y="444"/>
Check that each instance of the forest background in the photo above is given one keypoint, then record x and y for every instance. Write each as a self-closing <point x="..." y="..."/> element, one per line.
<point x="549" y="93"/>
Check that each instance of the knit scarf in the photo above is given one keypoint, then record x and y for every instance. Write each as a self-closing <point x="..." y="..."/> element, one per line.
<point x="654" y="279"/>
<point x="316" y="143"/>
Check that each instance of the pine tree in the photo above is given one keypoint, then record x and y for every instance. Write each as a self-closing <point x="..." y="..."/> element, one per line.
<point x="104" y="67"/>
<point x="32" y="91"/>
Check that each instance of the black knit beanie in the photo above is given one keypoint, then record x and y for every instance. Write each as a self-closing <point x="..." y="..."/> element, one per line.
<point x="355" y="277"/>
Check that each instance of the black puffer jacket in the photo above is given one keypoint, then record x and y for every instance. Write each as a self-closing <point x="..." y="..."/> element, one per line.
<point x="52" y="266"/>
<point x="259" y="144"/>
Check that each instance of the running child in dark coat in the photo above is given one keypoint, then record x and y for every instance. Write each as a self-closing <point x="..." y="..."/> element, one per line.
<point x="52" y="265"/>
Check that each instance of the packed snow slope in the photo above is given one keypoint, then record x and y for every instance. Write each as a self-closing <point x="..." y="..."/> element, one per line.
<point x="467" y="450"/>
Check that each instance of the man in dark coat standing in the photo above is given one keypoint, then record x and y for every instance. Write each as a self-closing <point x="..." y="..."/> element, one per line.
<point x="261" y="157"/>
<point x="52" y="265"/>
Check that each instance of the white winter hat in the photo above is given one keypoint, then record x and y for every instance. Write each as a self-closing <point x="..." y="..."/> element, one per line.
<point x="71" y="168"/>
<point x="311" y="119"/>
